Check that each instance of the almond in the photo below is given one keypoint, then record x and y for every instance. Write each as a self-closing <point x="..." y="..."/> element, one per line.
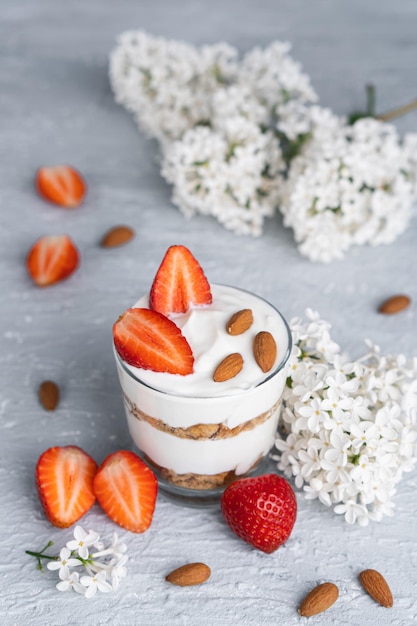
<point x="190" y="574"/>
<point x="49" y="395"/>
<point x="228" y="368"/>
<point x="319" y="599"/>
<point x="117" y="236"/>
<point x="395" y="304"/>
<point x="375" y="584"/>
<point x="265" y="350"/>
<point x="240" y="322"/>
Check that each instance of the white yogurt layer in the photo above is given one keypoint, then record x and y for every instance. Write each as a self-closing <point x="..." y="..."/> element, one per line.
<point x="205" y="330"/>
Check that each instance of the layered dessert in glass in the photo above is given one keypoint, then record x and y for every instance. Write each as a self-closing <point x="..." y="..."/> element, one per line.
<point x="201" y="385"/>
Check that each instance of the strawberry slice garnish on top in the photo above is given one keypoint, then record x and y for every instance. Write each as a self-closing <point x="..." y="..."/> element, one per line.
<point x="126" y="490"/>
<point x="64" y="478"/>
<point x="61" y="184"/>
<point x="51" y="259"/>
<point x="147" y="339"/>
<point x="179" y="283"/>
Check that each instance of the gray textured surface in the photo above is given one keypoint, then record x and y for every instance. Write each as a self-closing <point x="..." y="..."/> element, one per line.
<point x="56" y="106"/>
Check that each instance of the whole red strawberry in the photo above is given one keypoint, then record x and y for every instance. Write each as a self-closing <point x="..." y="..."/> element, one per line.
<point x="260" y="510"/>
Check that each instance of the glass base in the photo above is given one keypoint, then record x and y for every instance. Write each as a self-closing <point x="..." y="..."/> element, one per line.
<point x="200" y="498"/>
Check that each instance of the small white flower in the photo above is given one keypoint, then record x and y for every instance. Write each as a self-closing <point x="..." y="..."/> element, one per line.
<point x="312" y="415"/>
<point x="364" y="433"/>
<point x="82" y="541"/>
<point x="95" y="583"/>
<point x="338" y="405"/>
<point x="337" y="452"/>
<point x="380" y="509"/>
<point x="317" y="488"/>
<point x="310" y="458"/>
<point x="341" y="383"/>
<point x="71" y="581"/>
<point x="289" y="446"/>
<point x="64" y="563"/>
<point x="362" y="472"/>
<point x="117" y="548"/>
<point x="335" y="472"/>
<point x="353" y="512"/>
<point x="408" y="441"/>
<point x="118" y="571"/>
<point x="306" y="388"/>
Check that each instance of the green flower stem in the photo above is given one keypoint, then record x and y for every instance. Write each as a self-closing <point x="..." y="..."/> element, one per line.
<point x="40" y="555"/>
<point x="370" y="100"/>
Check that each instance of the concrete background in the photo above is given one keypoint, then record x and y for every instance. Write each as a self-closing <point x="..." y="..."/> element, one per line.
<point x="56" y="106"/>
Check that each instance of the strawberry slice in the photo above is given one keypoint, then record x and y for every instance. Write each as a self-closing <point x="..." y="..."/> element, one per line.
<point x="147" y="339"/>
<point x="51" y="259"/>
<point x="179" y="283"/>
<point x="126" y="489"/>
<point x="61" y="184"/>
<point x="64" y="478"/>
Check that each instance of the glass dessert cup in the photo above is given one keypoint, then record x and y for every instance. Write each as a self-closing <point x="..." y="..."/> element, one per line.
<point x="197" y="445"/>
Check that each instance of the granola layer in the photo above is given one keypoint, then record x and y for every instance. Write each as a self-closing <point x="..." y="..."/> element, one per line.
<point x="201" y="431"/>
<point x="197" y="481"/>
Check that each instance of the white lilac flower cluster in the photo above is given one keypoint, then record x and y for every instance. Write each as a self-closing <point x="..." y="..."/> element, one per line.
<point x="351" y="184"/>
<point x="348" y="428"/>
<point x="216" y="119"/>
<point x="231" y="175"/>
<point x="240" y="138"/>
<point x="102" y="568"/>
<point x="167" y="84"/>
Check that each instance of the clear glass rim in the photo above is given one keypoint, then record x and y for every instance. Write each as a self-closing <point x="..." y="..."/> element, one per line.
<point x="272" y="374"/>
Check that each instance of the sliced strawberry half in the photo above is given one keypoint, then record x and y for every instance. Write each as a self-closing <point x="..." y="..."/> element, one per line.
<point x="64" y="479"/>
<point x="51" y="259"/>
<point x="147" y="339"/>
<point x="61" y="184"/>
<point x="179" y="283"/>
<point x="126" y="490"/>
